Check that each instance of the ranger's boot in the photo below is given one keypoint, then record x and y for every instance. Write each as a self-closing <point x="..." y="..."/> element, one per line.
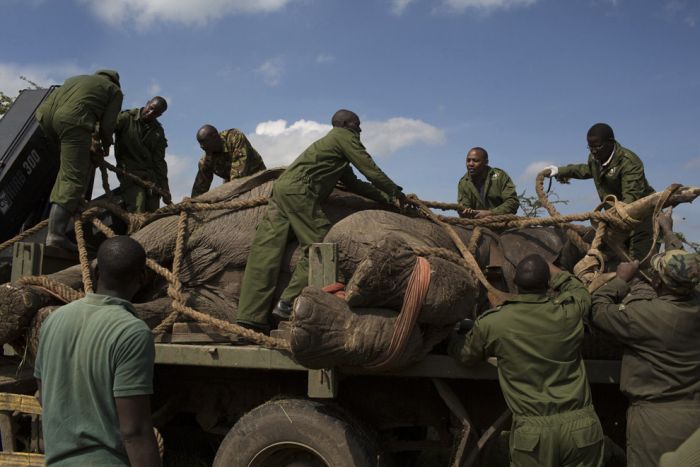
<point x="59" y="217"/>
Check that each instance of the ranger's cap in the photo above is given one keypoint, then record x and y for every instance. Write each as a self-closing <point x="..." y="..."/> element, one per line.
<point x="678" y="269"/>
<point x="111" y="75"/>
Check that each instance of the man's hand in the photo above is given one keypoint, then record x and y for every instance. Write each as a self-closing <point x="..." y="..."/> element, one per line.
<point x="402" y="201"/>
<point x="468" y="213"/>
<point x="167" y="198"/>
<point x="481" y="213"/>
<point x="553" y="170"/>
<point x="627" y="271"/>
<point x="553" y="269"/>
<point x="665" y="220"/>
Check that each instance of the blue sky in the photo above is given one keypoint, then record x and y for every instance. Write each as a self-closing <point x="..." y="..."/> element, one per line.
<point x="429" y="78"/>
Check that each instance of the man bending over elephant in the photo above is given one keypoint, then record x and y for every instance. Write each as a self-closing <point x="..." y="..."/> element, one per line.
<point x="295" y="205"/>
<point x="228" y="154"/>
<point x="616" y="171"/>
<point x="485" y="191"/>
<point x="537" y="340"/>
<point x="140" y="150"/>
<point x="82" y="105"/>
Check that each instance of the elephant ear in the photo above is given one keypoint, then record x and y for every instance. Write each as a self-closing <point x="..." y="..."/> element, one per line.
<point x="544" y="241"/>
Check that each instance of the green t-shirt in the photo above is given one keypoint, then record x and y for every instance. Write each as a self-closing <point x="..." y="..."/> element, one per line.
<point x="90" y="351"/>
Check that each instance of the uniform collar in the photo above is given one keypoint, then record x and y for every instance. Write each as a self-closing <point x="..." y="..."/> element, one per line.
<point x="101" y="300"/>
<point x="528" y="298"/>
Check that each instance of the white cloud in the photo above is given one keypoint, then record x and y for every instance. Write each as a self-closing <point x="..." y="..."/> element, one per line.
<point x="280" y="143"/>
<point x="154" y="89"/>
<point x="693" y="164"/>
<point x="188" y="12"/>
<point x="324" y="58"/>
<point x="527" y="178"/>
<point x="43" y="75"/>
<point x="383" y="138"/>
<point x="271" y="71"/>
<point x="486" y="5"/>
<point x="399" y="6"/>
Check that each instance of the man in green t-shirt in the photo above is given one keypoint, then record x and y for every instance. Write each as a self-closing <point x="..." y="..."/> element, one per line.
<point x="94" y="369"/>
<point x="484" y="190"/>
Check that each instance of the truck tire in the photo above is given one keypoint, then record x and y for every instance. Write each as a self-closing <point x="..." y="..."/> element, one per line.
<point x="296" y="433"/>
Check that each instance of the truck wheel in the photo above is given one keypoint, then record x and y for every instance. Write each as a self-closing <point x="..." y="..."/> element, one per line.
<point x="295" y="433"/>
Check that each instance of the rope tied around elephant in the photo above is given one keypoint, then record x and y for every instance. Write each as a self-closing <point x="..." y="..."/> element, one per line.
<point x="174" y="291"/>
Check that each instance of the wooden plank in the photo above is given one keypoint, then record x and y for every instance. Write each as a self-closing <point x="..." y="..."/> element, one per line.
<point x="323" y="264"/>
<point x="198" y="333"/>
<point x="7" y="431"/>
<point x="323" y="384"/>
<point x="20" y="403"/>
<point x="21" y="459"/>
<point x="26" y="259"/>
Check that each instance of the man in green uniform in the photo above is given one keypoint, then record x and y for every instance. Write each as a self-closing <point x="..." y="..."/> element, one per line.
<point x="140" y="150"/>
<point x="228" y="154"/>
<point x="485" y="191"/>
<point x="94" y="369"/>
<point x="616" y="171"/>
<point x="83" y="105"/>
<point x="537" y="340"/>
<point x="661" y="362"/>
<point x="295" y="205"/>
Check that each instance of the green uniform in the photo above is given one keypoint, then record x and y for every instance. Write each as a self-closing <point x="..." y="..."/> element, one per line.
<point x="497" y="193"/>
<point x="237" y="159"/>
<point x="296" y="204"/>
<point x="660" y="366"/>
<point x="623" y="177"/>
<point x="537" y="340"/>
<point x="687" y="454"/>
<point x="91" y="351"/>
<point x="140" y="150"/>
<point x="82" y="105"/>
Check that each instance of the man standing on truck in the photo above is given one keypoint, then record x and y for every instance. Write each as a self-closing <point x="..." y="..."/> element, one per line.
<point x="537" y="340"/>
<point x="661" y="361"/>
<point x="295" y="205"/>
<point x="485" y="191"/>
<point x="228" y="154"/>
<point x="94" y="369"/>
<point x="140" y="150"/>
<point x="83" y="105"/>
<point x="616" y="171"/>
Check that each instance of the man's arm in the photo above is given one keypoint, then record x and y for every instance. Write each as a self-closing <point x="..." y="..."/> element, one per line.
<point x="239" y="154"/>
<point x="136" y="429"/>
<point x="577" y="171"/>
<point x="632" y="179"/>
<point x="109" y="120"/>
<point x="607" y="312"/>
<point x="671" y="240"/>
<point x="510" y="202"/>
<point x="357" y="154"/>
<point x="204" y="177"/>
<point x="161" y="167"/>
<point x="471" y="348"/>
<point x="355" y="185"/>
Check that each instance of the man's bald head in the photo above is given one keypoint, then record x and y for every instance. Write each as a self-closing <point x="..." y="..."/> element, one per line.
<point x="532" y="274"/>
<point x="121" y="261"/>
<point x="602" y="131"/>
<point x="346" y="119"/>
<point x="209" y="139"/>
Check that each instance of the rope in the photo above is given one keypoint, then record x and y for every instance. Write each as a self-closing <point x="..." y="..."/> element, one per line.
<point x="474" y="240"/>
<point x="668" y="192"/>
<point x="27" y="233"/>
<point x="57" y="289"/>
<point x="416" y="290"/>
<point x="572" y="235"/>
<point x="103" y="164"/>
<point x="472" y="265"/>
<point x="82" y="254"/>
